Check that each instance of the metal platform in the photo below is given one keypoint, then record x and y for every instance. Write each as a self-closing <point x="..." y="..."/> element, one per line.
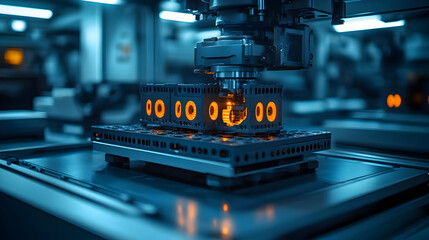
<point x="128" y="203"/>
<point x="21" y="124"/>
<point x="224" y="155"/>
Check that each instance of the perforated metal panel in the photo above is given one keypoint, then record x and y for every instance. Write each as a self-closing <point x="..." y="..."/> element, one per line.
<point x="201" y="152"/>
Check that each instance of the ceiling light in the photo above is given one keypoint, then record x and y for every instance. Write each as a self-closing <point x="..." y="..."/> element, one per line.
<point x="113" y="2"/>
<point x="25" y="11"/>
<point x="177" y="16"/>
<point x="18" y="25"/>
<point x="366" y="23"/>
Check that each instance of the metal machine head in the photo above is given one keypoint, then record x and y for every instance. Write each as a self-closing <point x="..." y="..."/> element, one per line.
<point x="255" y="36"/>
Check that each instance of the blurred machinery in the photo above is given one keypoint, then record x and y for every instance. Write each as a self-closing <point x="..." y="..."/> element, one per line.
<point x="21" y="77"/>
<point x="402" y="125"/>
<point x="115" y="42"/>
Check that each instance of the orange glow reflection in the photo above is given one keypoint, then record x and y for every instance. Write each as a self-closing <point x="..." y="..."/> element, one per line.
<point x="180" y="217"/>
<point x="225" y="207"/>
<point x="187" y="221"/>
<point x="214" y="223"/>
<point x="269" y="212"/>
<point x="226" y="228"/>
<point x="266" y="213"/>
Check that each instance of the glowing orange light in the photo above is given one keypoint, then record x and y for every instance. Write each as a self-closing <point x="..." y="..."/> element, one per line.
<point x="269" y="211"/>
<point x="271" y="111"/>
<point x="14" y="56"/>
<point x="428" y="99"/>
<point x="398" y="100"/>
<point x="180" y="217"/>
<point x="192" y="215"/>
<point x="226" y="228"/>
<point x="229" y="118"/>
<point x="225" y="207"/>
<point x="159" y="108"/>
<point x="390" y="100"/>
<point x="213" y="111"/>
<point x="187" y="217"/>
<point x="259" y="112"/>
<point x="191" y="110"/>
<point x="178" y="109"/>
<point x="394" y="100"/>
<point x="192" y="210"/>
<point x="149" y="107"/>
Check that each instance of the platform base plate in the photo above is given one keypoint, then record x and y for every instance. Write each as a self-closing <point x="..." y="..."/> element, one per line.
<point x="291" y="167"/>
<point x="223" y="155"/>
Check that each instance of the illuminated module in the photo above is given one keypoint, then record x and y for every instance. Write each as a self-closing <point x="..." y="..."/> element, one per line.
<point x="202" y="129"/>
<point x="204" y="107"/>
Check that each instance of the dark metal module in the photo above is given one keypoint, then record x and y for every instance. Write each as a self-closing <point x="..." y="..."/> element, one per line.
<point x="203" y="107"/>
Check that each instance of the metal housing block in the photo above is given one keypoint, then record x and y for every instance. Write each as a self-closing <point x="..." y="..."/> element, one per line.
<point x="151" y="111"/>
<point x="260" y="101"/>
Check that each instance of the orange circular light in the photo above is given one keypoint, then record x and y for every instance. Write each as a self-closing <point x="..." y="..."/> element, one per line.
<point x="259" y="112"/>
<point x="390" y="100"/>
<point x="271" y="111"/>
<point x="178" y="109"/>
<point x="14" y="56"/>
<point x="159" y="108"/>
<point x="398" y="100"/>
<point x="213" y="111"/>
<point x="191" y="110"/>
<point x="149" y="107"/>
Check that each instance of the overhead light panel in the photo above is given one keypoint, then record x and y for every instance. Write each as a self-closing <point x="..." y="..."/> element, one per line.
<point x="177" y="16"/>
<point x="25" y="11"/>
<point x="18" y="25"/>
<point x="366" y="23"/>
<point x="112" y="2"/>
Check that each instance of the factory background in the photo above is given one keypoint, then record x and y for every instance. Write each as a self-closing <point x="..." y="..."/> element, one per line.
<point x="68" y="65"/>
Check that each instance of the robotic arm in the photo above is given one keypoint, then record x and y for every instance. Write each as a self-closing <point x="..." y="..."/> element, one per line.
<point x="256" y="35"/>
